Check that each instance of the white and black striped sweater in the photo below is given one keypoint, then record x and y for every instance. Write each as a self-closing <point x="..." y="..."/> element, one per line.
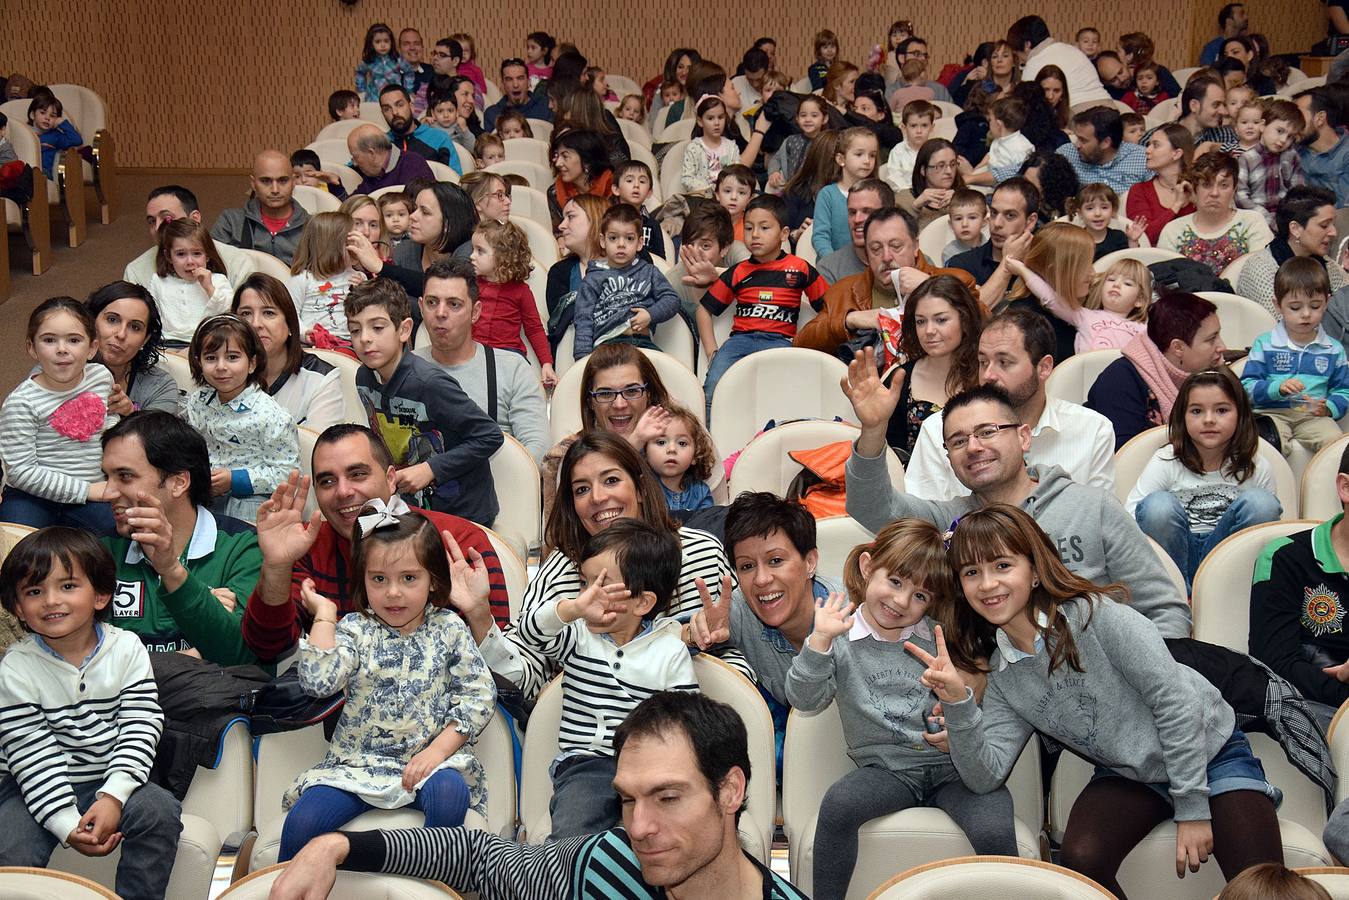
<point x="61" y="725"/>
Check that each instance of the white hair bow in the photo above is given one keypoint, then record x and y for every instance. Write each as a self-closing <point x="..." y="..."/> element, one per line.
<point x="384" y="514"/>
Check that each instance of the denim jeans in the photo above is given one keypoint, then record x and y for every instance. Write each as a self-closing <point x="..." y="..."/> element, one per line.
<point x="736" y="348"/>
<point x="321" y="809"/>
<point x="1163" y="518"/>
<point x="23" y="508"/>
<point x="584" y="800"/>
<point x="151" y="823"/>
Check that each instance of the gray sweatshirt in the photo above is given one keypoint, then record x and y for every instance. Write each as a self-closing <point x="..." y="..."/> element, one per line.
<point x="767" y="651"/>
<point x="608" y="296"/>
<point x="522" y="411"/>
<point x="1134" y="710"/>
<point x="880" y="700"/>
<point x="1096" y="538"/>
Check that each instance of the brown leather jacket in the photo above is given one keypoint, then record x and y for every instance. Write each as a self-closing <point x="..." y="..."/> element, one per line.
<point x="826" y="331"/>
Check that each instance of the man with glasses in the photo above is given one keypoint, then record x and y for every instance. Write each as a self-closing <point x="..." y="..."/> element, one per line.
<point x="915" y="48"/>
<point x="1016" y="355"/>
<point x="515" y="88"/>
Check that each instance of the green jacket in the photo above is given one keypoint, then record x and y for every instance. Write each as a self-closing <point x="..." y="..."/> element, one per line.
<point x="222" y="552"/>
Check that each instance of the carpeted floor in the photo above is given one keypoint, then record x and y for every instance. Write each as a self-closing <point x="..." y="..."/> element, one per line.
<point x="100" y="259"/>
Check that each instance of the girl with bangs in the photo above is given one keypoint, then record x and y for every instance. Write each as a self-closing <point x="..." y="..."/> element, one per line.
<point x="1073" y="661"/>
<point x="895" y="586"/>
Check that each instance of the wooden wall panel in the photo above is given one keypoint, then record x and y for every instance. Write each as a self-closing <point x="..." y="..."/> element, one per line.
<point x="205" y="85"/>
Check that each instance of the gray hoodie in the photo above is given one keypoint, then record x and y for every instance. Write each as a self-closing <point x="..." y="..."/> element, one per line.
<point x="1096" y="538"/>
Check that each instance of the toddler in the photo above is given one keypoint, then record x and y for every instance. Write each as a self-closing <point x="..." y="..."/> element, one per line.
<point x="1249" y="124"/>
<point x="1097" y="205"/>
<point x="1236" y="98"/>
<point x="826" y="51"/>
<point x="918" y="118"/>
<point x="489" y="150"/>
<point x="626" y="298"/>
<point x="632" y="185"/>
<point x="1010" y="147"/>
<point x="1133" y="128"/>
<point x="734" y="189"/>
<point x="1268" y="170"/>
<point x="250" y="437"/>
<point x="513" y="124"/>
<point x="709" y="151"/>
<point x="54" y="133"/>
<point x="766" y="290"/>
<point x="501" y="261"/>
<point x="189" y="283"/>
<point x="1089" y="42"/>
<point x="671" y="92"/>
<point x="344" y="104"/>
<point x="381" y="65"/>
<point x="1297" y="374"/>
<point x="683" y="458"/>
<point x="395" y="208"/>
<point x="322" y="275"/>
<point x="51" y="424"/>
<point x="812" y="117"/>
<point x="968" y="215"/>
<point x="615" y="651"/>
<point x="307" y="169"/>
<point x="82" y="720"/>
<point x="418" y="692"/>
<point x="468" y="65"/>
<point x="1147" y="91"/>
<point x="856" y="159"/>
<point x="632" y="109"/>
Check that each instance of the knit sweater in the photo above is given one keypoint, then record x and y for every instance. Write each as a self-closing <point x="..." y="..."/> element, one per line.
<point x="1133" y="709"/>
<point x="508" y="307"/>
<point x="1256" y="281"/>
<point x="183" y="304"/>
<point x="49" y="440"/>
<point x="1320" y="365"/>
<point x="61" y="725"/>
<point x="829" y="228"/>
<point x="608" y="296"/>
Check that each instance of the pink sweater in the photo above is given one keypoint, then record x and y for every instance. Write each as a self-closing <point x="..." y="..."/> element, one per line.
<point x="1097" y="329"/>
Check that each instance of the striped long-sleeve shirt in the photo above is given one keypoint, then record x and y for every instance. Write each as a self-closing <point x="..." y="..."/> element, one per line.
<point x="592" y="867"/>
<point x="516" y="660"/>
<point x="49" y="440"/>
<point x="601" y="681"/>
<point x="61" y="725"/>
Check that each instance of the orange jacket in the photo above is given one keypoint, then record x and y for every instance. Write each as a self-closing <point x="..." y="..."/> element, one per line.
<point x="826" y="331"/>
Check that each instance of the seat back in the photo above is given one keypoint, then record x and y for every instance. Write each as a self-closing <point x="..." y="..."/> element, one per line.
<point x="990" y="876"/>
<point x="492" y="93"/>
<point x="642" y="153"/>
<point x="781" y="383"/>
<point x="542" y="244"/>
<point x="267" y="264"/>
<point x="1145" y="255"/>
<point x="348" y="886"/>
<point x="338" y="131"/>
<point x="1169" y="566"/>
<point x="1242" y="318"/>
<point x="542" y="128"/>
<point x="1232" y="274"/>
<point x="84" y="108"/>
<point x="1221" y="600"/>
<point x="1131" y="459"/>
<point x="764" y="464"/>
<point x="674" y="337"/>
<point x="622" y="85"/>
<point x="515" y="477"/>
<point x="443" y="172"/>
<point x="24" y="139"/>
<point x="307" y="439"/>
<point x="22" y="883"/>
<point x="1072" y="379"/>
<point x="634" y="133"/>
<point x="370" y="113"/>
<point x="1338" y="737"/>
<point x="513" y="569"/>
<point x="387" y="189"/>
<point x="670" y="166"/>
<point x="531" y="203"/>
<point x="681" y="130"/>
<point x="1319" y="498"/>
<point x="313" y="200"/>
<point x="176" y="364"/>
<point x="331" y="151"/>
<point x="835" y="538"/>
<point x="351" y="399"/>
<point x="1334" y="879"/>
<point x="948" y="110"/>
<point x="537" y="176"/>
<point x="528" y="149"/>
<point x="934" y="237"/>
<point x="679" y="380"/>
<point x="805" y="245"/>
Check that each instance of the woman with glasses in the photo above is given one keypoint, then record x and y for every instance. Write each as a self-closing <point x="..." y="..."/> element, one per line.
<point x="490" y="193"/>
<point x="936" y="178"/>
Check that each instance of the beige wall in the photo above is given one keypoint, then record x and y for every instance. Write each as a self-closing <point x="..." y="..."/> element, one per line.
<point x="204" y="85"/>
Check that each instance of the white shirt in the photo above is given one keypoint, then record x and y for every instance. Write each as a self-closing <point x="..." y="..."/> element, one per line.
<point x="1009" y="151"/>
<point x="1078" y="440"/>
<point x="1204" y="497"/>
<point x="900" y="166"/>
<point x="749" y="97"/>
<point x="238" y="265"/>
<point x="1084" y="85"/>
<point x="183" y="304"/>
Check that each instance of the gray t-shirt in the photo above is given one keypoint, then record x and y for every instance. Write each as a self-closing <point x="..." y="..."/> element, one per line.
<point x="840" y="264"/>
<point x="521" y="410"/>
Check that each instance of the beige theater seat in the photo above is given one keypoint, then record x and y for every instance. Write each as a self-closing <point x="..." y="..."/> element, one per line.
<point x="307" y="438"/>
<point x="392" y="189"/>
<point x="28" y="149"/>
<point x="781" y="383"/>
<point x="33" y="221"/>
<point x="527" y="149"/>
<point x="88" y="112"/>
<point x="805" y="246"/>
<point x="1232" y="274"/>
<point x="313" y="200"/>
<point x="515" y="477"/>
<point x="539" y="177"/>
<point x="223" y="795"/>
<point x="765" y="466"/>
<point x="718" y="681"/>
<point x="675" y="338"/>
<point x="634" y="133"/>
<point x="1319" y="498"/>
<point x="443" y="172"/>
<point x="542" y="244"/>
<point x="642" y="153"/>
<point x="513" y="570"/>
<point x="193" y="865"/>
<point x="531" y="203"/>
<point x="670" y="166"/>
<point x="281" y="757"/>
<point x="815" y="755"/>
<point x="1145" y="255"/>
<point x="1333" y="878"/>
<point x="835" y="538"/>
<point x="349" y="886"/>
<point x="176" y="364"/>
<point x="1338" y="738"/>
<point x="542" y="128"/>
<point x="681" y="130"/>
<point x="1242" y="318"/>
<point x="347" y="369"/>
<point x="932" y="240"/>
<point x="1072" y="379"/>
<point x="338" y="131"/>
<point x="332" y="151"/>
<point x="970" y="877"/>
<point x="565" y="417"/>
<point x="22" y="883"/>
<point x="267" y="264"/>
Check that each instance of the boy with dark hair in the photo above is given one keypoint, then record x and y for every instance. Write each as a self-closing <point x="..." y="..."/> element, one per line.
<point x="632" y="185"/>
<point x="1266" y="171"/>
<point x="440" y="440"/>
<point x="766" y="290"/>
<point x="969" y="217"/>
<point x="615" y="651"/>
<point x="1088" y="40"/>
<point x="626" y="297"/>
<point x="706" y="243"/>
<point x="917" y="121"/>
<point x="733" y="189"/>
<point x="308" y="170"/>
<point x="344" y="104"/>
<point x="81" y="720"/>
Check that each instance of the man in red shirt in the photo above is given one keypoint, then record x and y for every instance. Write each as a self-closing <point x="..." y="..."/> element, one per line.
<point x="351" y="467"/>
<point x="269" y="220"/>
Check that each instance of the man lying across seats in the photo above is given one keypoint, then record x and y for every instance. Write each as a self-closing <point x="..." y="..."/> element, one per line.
<point x="683" y="771"/>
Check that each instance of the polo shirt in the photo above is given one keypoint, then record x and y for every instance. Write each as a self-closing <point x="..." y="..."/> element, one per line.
<point x="979" y="262"/>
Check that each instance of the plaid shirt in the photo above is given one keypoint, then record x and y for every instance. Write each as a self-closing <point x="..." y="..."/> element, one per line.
<point x="1127" y="169"/>
<point x="1264" y="177"/>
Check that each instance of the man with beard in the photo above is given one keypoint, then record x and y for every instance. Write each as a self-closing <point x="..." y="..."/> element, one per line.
<point x="1100" y="154"/>
<point x="1016" y="354"/>
<point x="408" y="134"/>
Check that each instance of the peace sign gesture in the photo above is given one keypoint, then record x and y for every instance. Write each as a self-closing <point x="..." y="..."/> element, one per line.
<point x="941" y="676"/>
<point x="711" y="625"/>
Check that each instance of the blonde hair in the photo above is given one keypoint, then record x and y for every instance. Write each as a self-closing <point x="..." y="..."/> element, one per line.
<point x="322" y="250"/>
<point x="485" y="140"/>
<point x="912" y="548"/>
<point x="1059" y="253"/>
<point x="641" y="106"/>
<point x="1129" y="268"/>
<point x="357" y="202"/>
<point x="511" y="246"/>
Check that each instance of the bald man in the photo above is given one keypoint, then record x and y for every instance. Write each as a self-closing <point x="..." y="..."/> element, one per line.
<point x="269" y="221"/>
<point x="380" y="163"/>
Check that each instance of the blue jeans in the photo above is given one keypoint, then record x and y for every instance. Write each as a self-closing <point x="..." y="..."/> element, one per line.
<point x="23" y="508"/>
<point x="1163" y="518"/>
<point x="584" y="800"/>
<point x="736" y="348"/>
<point x="1234" y="768"/>
<point x="151" y="823"/>
<point x="321" y="809"/>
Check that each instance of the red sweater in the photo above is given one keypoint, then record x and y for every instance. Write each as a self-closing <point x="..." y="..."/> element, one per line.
<point x="1142" y="201"/>
<point x="506" y="307"/>
<point x="270" y="631"/>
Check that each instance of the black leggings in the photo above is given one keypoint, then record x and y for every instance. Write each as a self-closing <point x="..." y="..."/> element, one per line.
<point x="1112" y="815"/>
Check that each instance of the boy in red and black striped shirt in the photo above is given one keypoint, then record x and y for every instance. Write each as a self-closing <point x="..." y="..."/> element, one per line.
<point x="766" y="289"/>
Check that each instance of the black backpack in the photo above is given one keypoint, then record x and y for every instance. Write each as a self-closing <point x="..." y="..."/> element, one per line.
<point x="1185" y="276"/>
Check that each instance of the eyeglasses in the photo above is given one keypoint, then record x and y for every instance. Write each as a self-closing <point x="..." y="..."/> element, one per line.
<point x="984" y="433"/>
<point x="605" y="396"/>
<point x="917" y="54"/>
<point x="500" y="196"/>
<point x="943" y="166"/>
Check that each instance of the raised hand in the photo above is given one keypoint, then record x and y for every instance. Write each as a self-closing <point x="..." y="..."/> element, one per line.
<point x="650" y="426"/>
<point x="871" y="400"/>
<point x="316" y="603"/>
<point x="469" y="581"/>
<point x="598" y="604"/>
<point x="941" y="675"/>
<point x="1135" y="229"/>
<point x="833" y="617"/>
<point x="711" y="625"/>
<point x="283" y="534"/>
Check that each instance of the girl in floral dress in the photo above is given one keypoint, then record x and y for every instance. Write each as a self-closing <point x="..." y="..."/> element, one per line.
<point x="417" y="691"/>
